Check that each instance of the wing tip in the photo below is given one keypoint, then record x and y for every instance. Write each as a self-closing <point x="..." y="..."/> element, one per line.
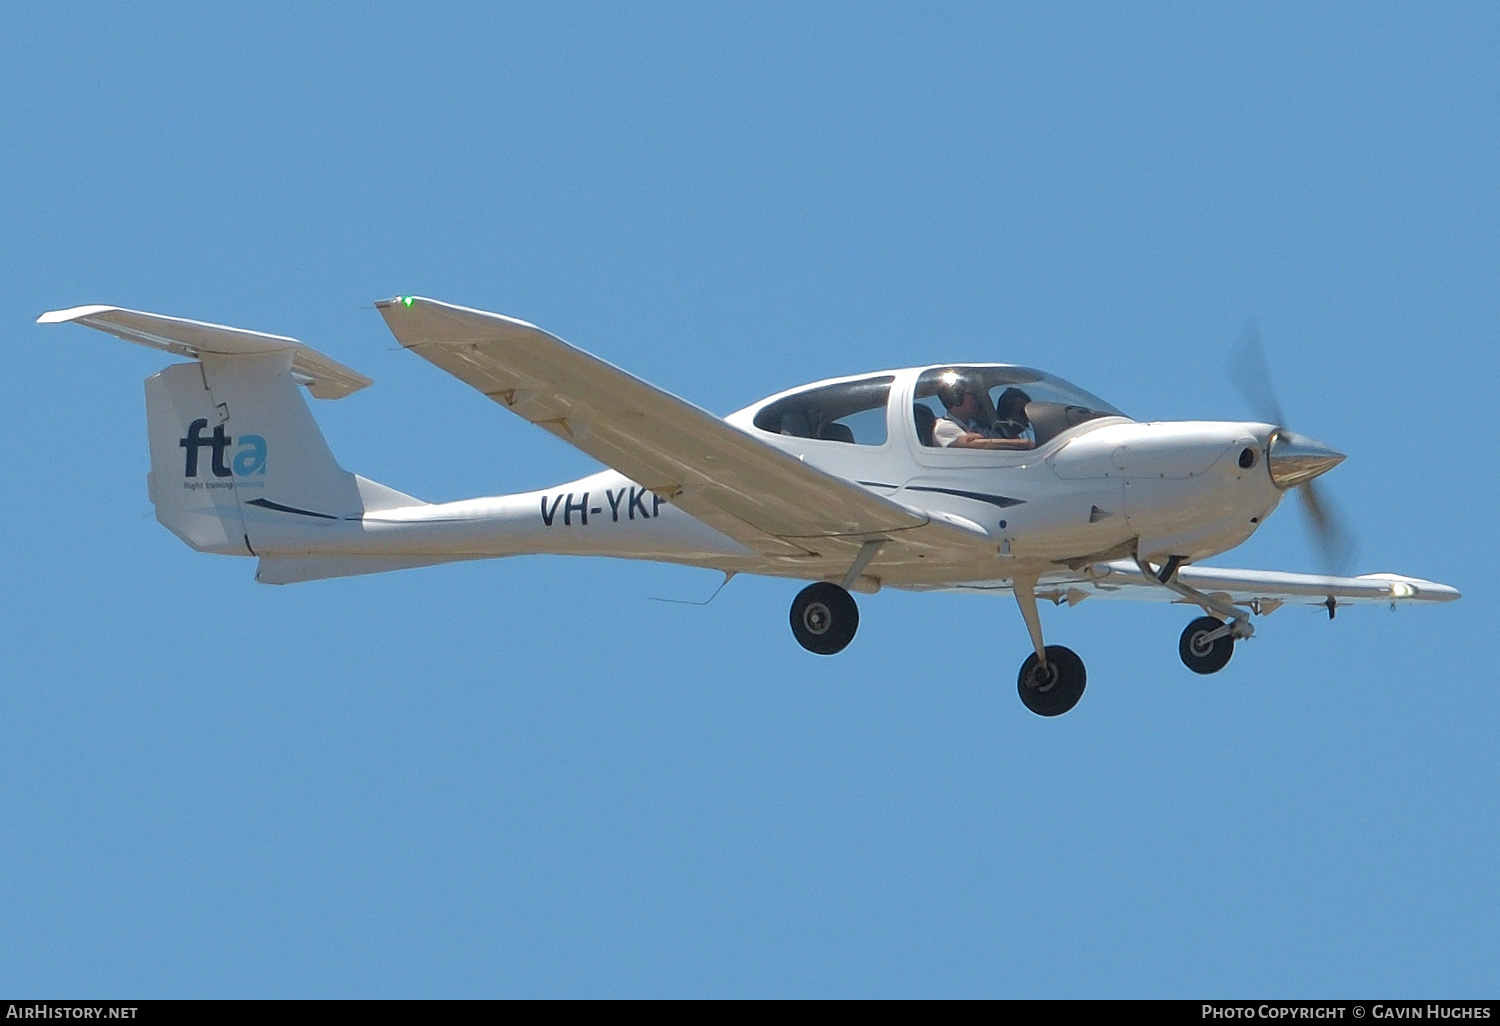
<point x="396" y="303"/>
<point x="72" y="313"/>
<point x="1403" y="587"/>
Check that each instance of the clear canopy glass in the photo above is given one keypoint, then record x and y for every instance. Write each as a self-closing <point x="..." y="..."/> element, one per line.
<point x="1013" y="402"/>
<point x="849" y="411"/>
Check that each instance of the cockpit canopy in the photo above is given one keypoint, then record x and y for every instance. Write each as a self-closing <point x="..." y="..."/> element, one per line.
<point x="1021" y="401"/>
<point x="1027" y="402"/>
<point x="847" y="411"/>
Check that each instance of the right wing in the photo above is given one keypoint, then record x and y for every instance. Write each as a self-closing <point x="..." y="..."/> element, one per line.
<point x="1261" y="590"/>
<point x="758" y="495"/>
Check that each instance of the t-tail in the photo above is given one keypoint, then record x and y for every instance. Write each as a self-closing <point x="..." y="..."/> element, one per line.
<point x="238" y="465"/>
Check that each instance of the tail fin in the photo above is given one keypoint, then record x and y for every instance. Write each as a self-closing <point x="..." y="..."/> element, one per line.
<point x="238" y="465"/>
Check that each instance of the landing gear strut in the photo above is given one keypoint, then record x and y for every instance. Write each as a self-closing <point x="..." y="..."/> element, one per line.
<point x="1206" y="645"/>
<point x="1208" y="642"/>
<point x="1052" y="678"/>
<point x="824" y="618"/>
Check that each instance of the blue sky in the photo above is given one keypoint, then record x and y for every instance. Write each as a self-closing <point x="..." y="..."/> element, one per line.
<point x="524" y="777"/>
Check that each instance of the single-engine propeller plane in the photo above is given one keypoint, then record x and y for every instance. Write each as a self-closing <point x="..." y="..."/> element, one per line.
<point x="968" y="477"/>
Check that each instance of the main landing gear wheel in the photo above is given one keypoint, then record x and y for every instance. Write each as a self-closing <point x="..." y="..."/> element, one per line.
<point x="1056" y="689"/>
<point x="824" y="618"/>
<point x="1201" y="655"/>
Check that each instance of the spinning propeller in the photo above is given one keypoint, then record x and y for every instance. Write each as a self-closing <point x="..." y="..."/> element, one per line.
<point x="1294" y="459"/>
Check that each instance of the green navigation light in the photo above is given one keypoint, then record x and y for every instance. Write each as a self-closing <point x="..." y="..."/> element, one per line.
<point x="406" y="301"/>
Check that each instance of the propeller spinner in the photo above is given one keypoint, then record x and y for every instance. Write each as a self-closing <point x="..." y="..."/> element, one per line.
<point x="1296" y="459"/>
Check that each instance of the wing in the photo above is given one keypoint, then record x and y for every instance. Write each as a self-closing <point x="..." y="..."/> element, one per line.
<point x="324" y="378"/>
<point x="1261" y="590"/>
<point x="758" y="495"/>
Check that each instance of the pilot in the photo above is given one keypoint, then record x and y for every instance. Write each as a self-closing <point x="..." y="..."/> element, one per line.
<point x="961" y="428"/>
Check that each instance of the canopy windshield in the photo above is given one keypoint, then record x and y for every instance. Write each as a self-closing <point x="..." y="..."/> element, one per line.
<point x="1012" y="402"/>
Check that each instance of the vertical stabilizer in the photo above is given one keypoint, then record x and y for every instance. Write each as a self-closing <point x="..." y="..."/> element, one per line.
<point x="232" y="441"/>
<point x="238" y="465"/>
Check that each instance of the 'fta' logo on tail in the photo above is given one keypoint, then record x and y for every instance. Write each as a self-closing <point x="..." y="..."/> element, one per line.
<point x="251" y="458"/>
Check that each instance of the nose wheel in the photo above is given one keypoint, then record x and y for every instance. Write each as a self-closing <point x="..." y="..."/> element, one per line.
<point x="1206" y="645"/>
<point x="824" y="618"/>
<point x="1053" y="689"/>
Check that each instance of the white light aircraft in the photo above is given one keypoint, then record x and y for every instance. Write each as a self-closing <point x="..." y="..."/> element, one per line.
<point x="1042" y="489"/>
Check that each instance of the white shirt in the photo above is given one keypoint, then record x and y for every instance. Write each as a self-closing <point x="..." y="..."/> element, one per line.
<point x="949" y="430"/>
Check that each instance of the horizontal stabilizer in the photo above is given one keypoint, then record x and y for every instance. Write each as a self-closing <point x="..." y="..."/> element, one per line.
<point x="325" y="378"/>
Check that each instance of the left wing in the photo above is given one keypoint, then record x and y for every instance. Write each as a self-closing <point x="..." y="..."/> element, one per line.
<point x="758" y="495"/>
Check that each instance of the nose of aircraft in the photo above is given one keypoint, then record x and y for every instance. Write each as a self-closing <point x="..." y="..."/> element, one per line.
<point x="1296" y="459"/>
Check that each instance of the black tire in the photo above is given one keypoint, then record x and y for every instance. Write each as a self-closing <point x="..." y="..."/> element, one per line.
<point x="824" y="618"/>
<point x="1059" y="689"/>
<point x="1205" y="658"/>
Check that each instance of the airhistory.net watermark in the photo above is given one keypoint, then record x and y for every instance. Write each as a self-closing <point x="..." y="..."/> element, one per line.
<point x="46" y="1010"/>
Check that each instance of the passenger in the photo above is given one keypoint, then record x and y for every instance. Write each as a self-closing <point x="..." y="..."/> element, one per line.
<point x="1013" y="422"/>
<point x="961" y="428"/>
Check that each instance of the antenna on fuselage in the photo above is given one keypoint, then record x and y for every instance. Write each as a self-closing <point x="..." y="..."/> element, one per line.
<point x="728" y="576"/>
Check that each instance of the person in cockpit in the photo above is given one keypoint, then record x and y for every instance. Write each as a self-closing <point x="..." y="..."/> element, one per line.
<point x="1013" y="422"/>
<point x="963" y="427"/>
